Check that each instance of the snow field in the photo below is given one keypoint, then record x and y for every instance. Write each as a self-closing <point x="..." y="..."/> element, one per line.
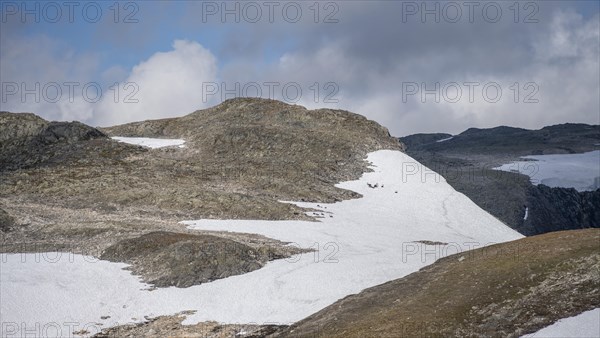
<point x="579" y="171"/>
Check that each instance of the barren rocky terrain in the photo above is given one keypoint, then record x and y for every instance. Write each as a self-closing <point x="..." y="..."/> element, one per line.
<point x="68" y="187"/>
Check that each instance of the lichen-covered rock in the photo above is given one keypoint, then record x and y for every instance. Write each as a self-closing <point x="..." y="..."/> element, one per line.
<point x="68" y="132"/>
<point x="19" y="127"/>
<point x="176" y="259"/>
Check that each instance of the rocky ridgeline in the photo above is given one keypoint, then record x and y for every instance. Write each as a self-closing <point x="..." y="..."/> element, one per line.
<point x="565" y="138"/>
<point x="274" y="137"/>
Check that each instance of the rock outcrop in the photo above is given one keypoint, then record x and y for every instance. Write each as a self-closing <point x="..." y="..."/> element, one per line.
<point x="166" y="259"/>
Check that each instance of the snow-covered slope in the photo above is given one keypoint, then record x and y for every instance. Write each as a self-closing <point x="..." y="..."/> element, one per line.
<point x="360" y="243"/>
<point x="579" y="171"/>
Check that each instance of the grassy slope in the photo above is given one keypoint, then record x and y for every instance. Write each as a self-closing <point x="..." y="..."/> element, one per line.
<point x="503" y="290"/>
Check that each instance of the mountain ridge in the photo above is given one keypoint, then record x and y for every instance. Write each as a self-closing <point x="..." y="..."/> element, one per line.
<point x="512" y="141"/>
<point x="467" y="161"/>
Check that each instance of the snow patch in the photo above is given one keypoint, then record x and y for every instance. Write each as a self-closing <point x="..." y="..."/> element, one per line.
<point x="445" y="139"/>
<point x="579" y="171"/>
<point x="526" y="214"/>
<point x="366" y="242"/>
<point x="153" y="143"/>
<point x="586" y="324"/>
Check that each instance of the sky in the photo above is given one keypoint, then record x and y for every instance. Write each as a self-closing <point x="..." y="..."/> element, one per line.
<point x="413" y="66"/>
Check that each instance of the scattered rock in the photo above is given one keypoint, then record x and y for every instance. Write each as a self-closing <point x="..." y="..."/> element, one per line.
<point x="171" y="326"/>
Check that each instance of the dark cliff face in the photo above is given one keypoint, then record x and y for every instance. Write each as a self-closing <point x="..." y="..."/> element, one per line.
<point x="507" y="195"/>
<point x="554" y="209"/>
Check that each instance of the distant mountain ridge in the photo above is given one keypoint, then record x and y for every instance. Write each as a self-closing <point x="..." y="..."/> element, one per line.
<point x="467" y="159"/>
<point x="565" y="138"/>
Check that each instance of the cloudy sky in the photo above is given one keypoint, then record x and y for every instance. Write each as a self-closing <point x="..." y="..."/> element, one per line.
<point x="412" y="66"/>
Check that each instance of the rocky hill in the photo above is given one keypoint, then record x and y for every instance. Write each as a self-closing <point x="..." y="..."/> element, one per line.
<point x="68" y="186"/>
<point x="466" y="161"/>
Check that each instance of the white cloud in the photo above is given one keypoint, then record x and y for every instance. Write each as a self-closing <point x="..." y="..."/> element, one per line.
<point x="170" y="84"/>
<point x="563" y="66"/>
<point x="166" y="84"/>
<point x="560" y="54"/>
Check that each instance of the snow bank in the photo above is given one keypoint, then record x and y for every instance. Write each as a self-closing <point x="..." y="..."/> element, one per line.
<point x="584" y="325"/>
<point x="151" y="142"/>
<point x="579" y="171"/>
<point x="360" y="243"/>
